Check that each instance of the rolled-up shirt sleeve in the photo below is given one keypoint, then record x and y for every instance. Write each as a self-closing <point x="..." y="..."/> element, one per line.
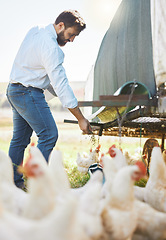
<point x="52" y="61"/>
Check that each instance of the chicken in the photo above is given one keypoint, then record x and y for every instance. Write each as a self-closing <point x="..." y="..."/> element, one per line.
<point x="51" y="227"/>
<point x="131" y="159"/>
<point x="13" y="198"/>
<point x="155" y="190"/>
<point x="78" y="192"/>
<point x="118" y="215"/>
<point x="120" y="161"/>
<point x="59" y="224"/>
<point x="82" y="169"/>
<point x="41" y="194"/>
<point x="60" y="178"/>
<point x="139" y="193"/>
<point x="118" y="157"/>
<point x="110" y="171"/>
<point x="111" y="165"/>
<point x="87" y="211"/>
<point x="151" y="224"/>
<point x="114" y="163"/>
<point x="6" y="233"/>
<point x="85" y="160"/>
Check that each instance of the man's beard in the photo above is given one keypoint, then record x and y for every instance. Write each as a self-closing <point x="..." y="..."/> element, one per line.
<point x="60" y="39"/>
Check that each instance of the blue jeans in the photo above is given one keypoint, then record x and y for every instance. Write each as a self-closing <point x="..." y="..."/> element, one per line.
<point x="30" y="112"/>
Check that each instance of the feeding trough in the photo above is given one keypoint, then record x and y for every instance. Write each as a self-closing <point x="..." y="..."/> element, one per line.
<point x="129" y="89"/>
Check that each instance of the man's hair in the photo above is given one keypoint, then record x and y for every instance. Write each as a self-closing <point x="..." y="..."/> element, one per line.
<point x="71" y="18"/>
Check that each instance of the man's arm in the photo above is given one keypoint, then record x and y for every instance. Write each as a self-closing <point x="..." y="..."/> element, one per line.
<point x="82" y="121"/>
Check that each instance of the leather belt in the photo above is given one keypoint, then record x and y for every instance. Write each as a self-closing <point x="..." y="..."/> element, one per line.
<point x="17" y="83"/>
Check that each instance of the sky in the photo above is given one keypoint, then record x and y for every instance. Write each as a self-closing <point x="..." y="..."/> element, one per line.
<point x="18" y="16"/>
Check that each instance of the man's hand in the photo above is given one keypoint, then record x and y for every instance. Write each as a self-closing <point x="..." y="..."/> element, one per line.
<point x="85" y="126"/>
<point x="82" y="121"/>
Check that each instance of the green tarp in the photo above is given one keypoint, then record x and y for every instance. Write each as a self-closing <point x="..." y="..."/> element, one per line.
<point x="126" y="52"/>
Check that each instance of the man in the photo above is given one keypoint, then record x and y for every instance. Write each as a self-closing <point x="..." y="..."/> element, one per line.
<point x="38" y="64"/>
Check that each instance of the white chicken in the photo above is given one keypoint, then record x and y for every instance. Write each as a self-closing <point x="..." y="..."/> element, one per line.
<point x="41" y="194"/>
<point x="87" y="212"/>
<point x="155" y="190"/>
<point x="59" y="224"/>
<point x="78" y="192"/>
<point x="13" y="198"/>
<point x="110" y="171"/>
<point x="118" y="157"/>
<point x="132" y="159"/>
<point x="85" y="160"/>
<point x="60" y="178"/>
<point x="151" y="224"/>
<point x="119" y="215"/>
<point x="139" y="193"/>
<point x="51" y="227"/>
<point x="111" y="165"/>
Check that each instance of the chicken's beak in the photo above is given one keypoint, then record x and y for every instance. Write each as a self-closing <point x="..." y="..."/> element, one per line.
<point x="21" y="169"/>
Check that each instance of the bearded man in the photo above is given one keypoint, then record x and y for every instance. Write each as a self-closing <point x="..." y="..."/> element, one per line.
<point x="38" y="66"/>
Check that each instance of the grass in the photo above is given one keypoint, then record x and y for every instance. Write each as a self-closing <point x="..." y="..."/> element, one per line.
<point x="141" y="183"/>
<point x="4" y="146"/>
<point x="76" y="178"/>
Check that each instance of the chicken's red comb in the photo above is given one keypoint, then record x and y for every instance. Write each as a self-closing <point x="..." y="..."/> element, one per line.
<point x="102" y="155"/>
<point x="113" y="146"/>
<point x="98" y="147"/>
<point x="111" y="152"/>
<point x="141" y="166"/>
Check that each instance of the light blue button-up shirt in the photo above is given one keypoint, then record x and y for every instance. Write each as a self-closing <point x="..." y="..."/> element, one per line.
<point x="39" y="63"/>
